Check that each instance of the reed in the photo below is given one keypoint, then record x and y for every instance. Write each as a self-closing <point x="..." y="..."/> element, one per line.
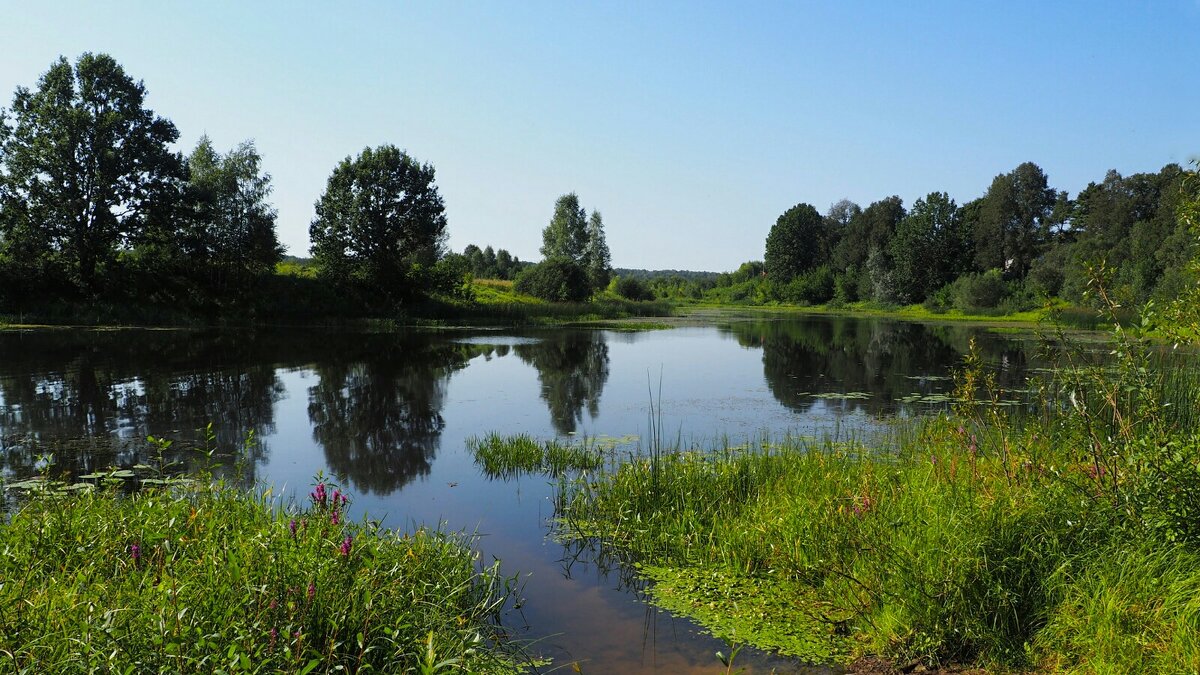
<point x="511" y="456"/>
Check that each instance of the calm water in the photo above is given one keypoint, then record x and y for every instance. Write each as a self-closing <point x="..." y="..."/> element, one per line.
<point x="388" y="416"/>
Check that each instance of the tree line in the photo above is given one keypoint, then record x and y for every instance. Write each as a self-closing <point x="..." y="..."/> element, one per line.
<point x="1018" y="244"/>
<point x="1020" y="241"/>
<point x="95" y="206"/>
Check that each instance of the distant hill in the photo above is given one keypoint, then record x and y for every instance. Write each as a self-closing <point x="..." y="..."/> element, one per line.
<point x="646" y="275"/>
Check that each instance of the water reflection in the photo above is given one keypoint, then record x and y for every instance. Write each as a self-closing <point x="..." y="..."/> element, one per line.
<point x="572" y="368"/>
<point x="877" y="363"/>
<point x="89" y="398"/>
<point x="377" y="410"/>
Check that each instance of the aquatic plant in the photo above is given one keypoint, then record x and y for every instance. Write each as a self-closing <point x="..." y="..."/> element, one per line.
<point x="510" y="456"/>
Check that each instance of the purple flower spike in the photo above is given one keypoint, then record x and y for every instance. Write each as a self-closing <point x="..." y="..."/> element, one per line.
<point x="312" y="590"/>
<point x="318" y="495"/>
<point x="347" y="543"/>
<point x="135" y="552"/>
<point x="333" y="518"/>
<point x="292" y="527"/>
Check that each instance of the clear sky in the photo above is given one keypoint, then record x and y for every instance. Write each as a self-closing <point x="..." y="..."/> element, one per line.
<point x="690" y="126"/>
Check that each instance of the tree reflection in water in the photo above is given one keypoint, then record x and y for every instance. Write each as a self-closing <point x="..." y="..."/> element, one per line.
<point x="882" y="359"/>
<point x="572" y="368"/>
<point x="90" y="398"/>
<point x="377" y="410"/>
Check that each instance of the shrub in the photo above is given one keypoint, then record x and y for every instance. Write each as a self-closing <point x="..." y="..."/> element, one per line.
<point x="978" y="291"/>
<point x="555" y="280"/>
<point x="632" y="289"/>
<point x="812" y="287"/>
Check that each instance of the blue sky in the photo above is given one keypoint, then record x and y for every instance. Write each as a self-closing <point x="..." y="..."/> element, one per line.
<point x="691" y="126"/>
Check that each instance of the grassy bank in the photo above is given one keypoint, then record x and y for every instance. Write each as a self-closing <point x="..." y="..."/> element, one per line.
<point x="497" y="302"/>
<point x="300" y="300"/>
<point x="1066" y="539"/>
<point x="206" y="578"/>
<point x="1059" y="313"/>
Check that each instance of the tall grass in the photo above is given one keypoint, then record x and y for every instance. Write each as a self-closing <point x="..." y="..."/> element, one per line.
<point x="207" y="578"/>
<point x="507" y="457"/>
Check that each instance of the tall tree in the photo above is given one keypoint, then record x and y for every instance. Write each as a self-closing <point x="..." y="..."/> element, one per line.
<point x="837" y="224"/>
<point x="925" y="247"/>
<point x="86" y="165"/>
<point x="868" y="229"/>
<point x="380" y="216"/>
<point x="794" y="243"/>
<point x="1015" y="220"/>
<point x="566" y="236"/>
<point x="233" y="225"/>
<point x="597" y="261"/>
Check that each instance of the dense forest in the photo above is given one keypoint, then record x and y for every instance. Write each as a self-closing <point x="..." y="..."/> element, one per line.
<point x="97" y="211"/>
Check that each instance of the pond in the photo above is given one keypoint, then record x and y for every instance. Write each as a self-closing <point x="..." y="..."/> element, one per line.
<point x="388" y="416"/>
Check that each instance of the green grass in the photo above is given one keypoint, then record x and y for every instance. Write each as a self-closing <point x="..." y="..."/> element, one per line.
<point x="911" y="312"/>
<point x="496" y="302"/>
<point x="506" y="457"/>
<point x="206" y="578"/>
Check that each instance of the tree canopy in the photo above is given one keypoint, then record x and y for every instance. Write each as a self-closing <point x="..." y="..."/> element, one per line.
<point x="574" y="238"/>
<point x="231" y="227"/>
<point x="795" y="243"/>
<point x="379" y="218"/>
<point x="566" y="236"/>
<point x="86" y="167"/>
<point x="596" y="259"/>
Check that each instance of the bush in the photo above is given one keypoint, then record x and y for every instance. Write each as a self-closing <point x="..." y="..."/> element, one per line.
<point x="555" y="281"/>
<point x="845" y="286"/>
<point x="812" y="287"/>
<point x="632" y="289"/>
<point x="451" y="276"/>
<point x="978" y="291"/>
<point x="940" y="300"/>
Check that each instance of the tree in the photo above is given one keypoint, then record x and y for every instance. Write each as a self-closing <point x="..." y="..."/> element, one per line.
<point x="379" y="217"/>
<point x="597" y="261"/>
<point x="870" y="228"/>
<point x="837" y="223"/>
<point x="794" y="243"/>
<point x="925" y="249"/>
<point x="86" y="166"/>
<point x="504" y="264"/>
<point x="566" y="236"/>
<point x="233" y="226"/>
<point x="1015" y="220"/>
